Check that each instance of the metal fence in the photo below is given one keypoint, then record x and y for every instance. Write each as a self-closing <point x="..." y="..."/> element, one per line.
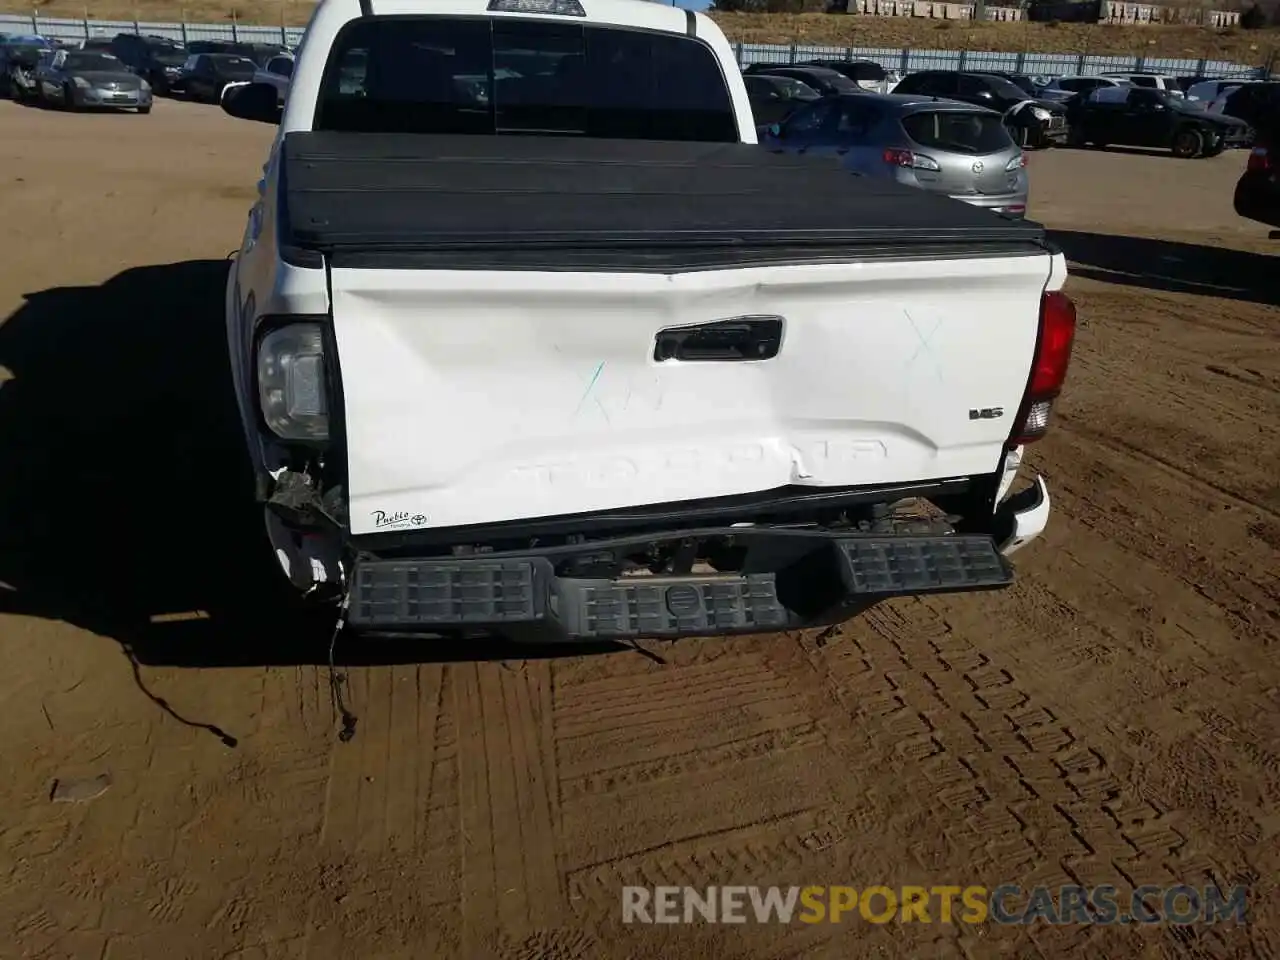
<point x="905" y="61"/>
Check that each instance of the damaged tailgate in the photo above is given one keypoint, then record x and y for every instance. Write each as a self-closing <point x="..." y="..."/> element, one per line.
<point x="540" y="327"/>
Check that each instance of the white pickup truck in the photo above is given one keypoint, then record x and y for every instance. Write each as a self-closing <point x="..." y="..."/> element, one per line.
<point x="530" y="339"/>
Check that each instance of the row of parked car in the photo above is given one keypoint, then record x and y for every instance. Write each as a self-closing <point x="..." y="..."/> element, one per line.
<point x="126" y="71"/>
<point x="966" y="134"/>
<point x="775" y="89"/>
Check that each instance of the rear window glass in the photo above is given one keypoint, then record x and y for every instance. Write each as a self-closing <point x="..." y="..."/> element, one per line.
<point x="957" y="132"/>
<point x="92" y="61"/>
<point x="1110" y="95"/>
<point x="476" y="76"/>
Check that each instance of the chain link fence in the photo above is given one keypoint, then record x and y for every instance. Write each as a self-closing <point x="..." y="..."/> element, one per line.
<point x="903" y="60"/>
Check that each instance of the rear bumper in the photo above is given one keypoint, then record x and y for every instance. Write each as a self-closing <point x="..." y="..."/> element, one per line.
<point x="1013" y="204"/>
<point x="103" y="97"/>
<point x="790" y="579"/>
<point x="826" y="579"/>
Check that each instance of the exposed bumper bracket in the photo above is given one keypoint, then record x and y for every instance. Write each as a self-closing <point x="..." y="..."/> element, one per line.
<point x="1023" y="516"/>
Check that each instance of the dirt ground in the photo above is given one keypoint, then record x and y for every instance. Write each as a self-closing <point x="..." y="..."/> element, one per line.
<point x="1113" y="718"/>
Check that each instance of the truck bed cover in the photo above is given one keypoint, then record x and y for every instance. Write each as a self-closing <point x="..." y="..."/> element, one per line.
<point x="545" y="202"/>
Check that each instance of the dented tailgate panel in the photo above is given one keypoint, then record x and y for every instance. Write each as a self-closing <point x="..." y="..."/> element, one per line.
<point x="479" y="396"/>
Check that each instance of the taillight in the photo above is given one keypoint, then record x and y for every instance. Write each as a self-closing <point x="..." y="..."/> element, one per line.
<point x="292" y="392"/>
<point x="1017" y="163"/>
<point x="1259" y="160"/>
<point x="905" y="158"/>
<point x="1048" y="367"/>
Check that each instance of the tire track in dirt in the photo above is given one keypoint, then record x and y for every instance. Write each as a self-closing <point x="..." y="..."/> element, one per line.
<point x="652" y="747"/>
<point x="780" y="847"/>
<point x="388" y="849"/>
<point x="1025" y="796"/>
<point x="1221" y="553"/>
<point x="506" y="781"/>
<point x="380" y="782"/>
<point x="1125" y="448"/>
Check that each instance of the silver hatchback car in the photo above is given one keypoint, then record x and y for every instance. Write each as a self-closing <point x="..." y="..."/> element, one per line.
<point x="942" y="146"/>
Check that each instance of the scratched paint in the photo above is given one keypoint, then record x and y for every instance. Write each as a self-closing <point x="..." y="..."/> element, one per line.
<point x="923" y="346"/>
<point x="591" y="385"/>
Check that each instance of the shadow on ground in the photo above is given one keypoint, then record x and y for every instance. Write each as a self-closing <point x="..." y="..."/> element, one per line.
<point x="125" y="495"/>
<point x="1171" y="266"/>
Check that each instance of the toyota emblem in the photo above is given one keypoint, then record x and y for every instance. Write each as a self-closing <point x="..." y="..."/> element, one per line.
<point x="977" y="166"/>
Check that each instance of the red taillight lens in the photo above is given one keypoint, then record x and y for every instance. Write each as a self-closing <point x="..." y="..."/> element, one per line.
<point x="1259" y="160"/>
<point x="1053" y="350"/>
<point x="898" y="158"/>
<point x="1048" y="368"/>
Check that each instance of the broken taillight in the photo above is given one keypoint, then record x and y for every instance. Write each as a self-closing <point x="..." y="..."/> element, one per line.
<point x="1048" y="367"/>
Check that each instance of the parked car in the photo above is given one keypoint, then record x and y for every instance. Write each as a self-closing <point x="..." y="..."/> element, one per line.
<point x="1257" y="195"/>
<point x="19" y="57"/>
<point x="464" y="270"/>
<point x="96" y="44"/>
<point x="774" y="97"/>
<point x="1209" y="90"/>
<point x="276" y="74"/>
<point x="262" y="53"/>
<point x="1032" y="86"/>
<point x="826" y="81"/>
<point x="157" y="60"/>
<point x="1142" y="117"/>
<point x="942" y="146"/>
<point x="865" y="73"/>
<point x="1031" y="122"/>
<point x="79" y="79"/>
<point x="259" y="53"/>
<point x="1152" y="81"/>
<point x="1066" y="89"/>
<point x="1257" y="103"/>
<point x="197" y="47"/>
<point x="204" y="76"/>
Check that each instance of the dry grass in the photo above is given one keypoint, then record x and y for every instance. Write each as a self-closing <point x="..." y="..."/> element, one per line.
<point x="812" y="28"/>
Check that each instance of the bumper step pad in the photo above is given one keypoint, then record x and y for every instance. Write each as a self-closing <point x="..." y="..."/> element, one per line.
<point x="523" y="596"/>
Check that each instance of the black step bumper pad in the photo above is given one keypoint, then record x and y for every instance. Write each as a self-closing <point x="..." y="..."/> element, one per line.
<point x="523" y="597"/>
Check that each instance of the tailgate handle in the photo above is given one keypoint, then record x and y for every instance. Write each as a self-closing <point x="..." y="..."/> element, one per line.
<point x="739" y="338"/>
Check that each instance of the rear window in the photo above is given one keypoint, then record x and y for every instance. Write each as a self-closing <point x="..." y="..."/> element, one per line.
<point x="830" y="79"/>
<point x="101" y="62"/>
<point x="487" y="76"/>
<point x="958" y="132"/>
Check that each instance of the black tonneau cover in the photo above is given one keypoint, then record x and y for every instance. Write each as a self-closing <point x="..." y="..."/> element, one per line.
<point x="356" y="195"/>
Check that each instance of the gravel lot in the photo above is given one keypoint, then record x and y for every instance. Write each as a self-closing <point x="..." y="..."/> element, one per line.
<point x="1114" y="718"/>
